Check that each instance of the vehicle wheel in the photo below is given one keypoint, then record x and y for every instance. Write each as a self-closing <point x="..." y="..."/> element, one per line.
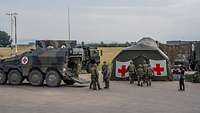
<point x="36" y="78"/>
<point x="3" y="77"/>
<point x="53" y="79"/>
<point x="69" y="82"/>
<point x="15" y="77"/>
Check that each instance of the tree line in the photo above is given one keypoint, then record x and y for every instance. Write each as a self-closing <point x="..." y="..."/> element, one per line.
<point x="5" y="40"/>
<point x="114" y="44"/>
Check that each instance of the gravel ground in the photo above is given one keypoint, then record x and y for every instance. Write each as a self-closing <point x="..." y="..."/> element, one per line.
<point x="162" y="97"/>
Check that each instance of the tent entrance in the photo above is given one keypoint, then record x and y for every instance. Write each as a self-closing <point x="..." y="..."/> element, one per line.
<point x="141" y="60"/>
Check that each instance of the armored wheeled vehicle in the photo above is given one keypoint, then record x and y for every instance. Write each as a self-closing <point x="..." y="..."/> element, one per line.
<point x="43" y="65"/>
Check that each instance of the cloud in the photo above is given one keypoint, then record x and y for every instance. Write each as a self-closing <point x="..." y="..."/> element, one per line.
<point x="115" y="20"/>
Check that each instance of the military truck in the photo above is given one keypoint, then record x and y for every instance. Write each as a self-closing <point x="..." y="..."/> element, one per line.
<point x="90" y="54"/>
<point x="48" y="65"/>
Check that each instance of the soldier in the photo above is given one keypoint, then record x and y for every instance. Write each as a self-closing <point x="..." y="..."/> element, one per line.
<point x="145" y="76"/>
<point x="150" y="74"/>
<point x="181" y="79"/>
<point x="131" y="71"/>
<point x="106" y="74"/>
<point x="140" y="73"/>
<point x="94" y="78"/>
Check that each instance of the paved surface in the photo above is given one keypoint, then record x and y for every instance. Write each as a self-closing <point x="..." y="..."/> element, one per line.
<point x="162" y="97"/>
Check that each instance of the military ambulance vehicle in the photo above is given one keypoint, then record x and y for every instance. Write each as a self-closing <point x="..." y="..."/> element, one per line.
<point x="48" y="65"/>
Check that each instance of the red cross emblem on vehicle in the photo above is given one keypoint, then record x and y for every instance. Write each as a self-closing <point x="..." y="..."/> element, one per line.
<point x="122" y="70"/>
<point x="24" y="60"/>
<point x="158" y="69"/>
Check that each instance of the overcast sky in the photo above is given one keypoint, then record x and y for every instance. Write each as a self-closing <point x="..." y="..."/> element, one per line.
<point x="104" y="20"/>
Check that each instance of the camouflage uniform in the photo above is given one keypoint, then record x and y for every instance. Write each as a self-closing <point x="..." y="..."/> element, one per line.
<point x="106" y="74"/>
<point x="94" y="78"/>
<point x="131" y="71"/>
<point x="140" y="74"/>
<point x="147" y="75"/>
<point x="150" y="74"/>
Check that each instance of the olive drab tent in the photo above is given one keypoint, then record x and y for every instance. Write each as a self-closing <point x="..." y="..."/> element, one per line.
<point x="145" y="51"/>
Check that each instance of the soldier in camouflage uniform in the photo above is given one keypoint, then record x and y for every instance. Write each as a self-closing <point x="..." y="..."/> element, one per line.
<point x="106" y="74"/>
<point x="131" y="71"/>
<point x="94" y="78"/>
<point x="140" y="74"/>
<point x="147" y="75"/>
<point x="150" y="71"/>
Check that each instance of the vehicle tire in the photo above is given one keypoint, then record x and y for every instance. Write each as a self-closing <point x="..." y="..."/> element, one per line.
<point x="36" y="78"/>
<point x="69" y="82"/>
<point x="3" y="77"/>
<point x="53" y="78"/>
<point x="15" y="77"/>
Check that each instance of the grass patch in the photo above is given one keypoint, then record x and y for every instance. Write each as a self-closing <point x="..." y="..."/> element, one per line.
<point x="6" y="52"/>
<point x="109" y="53"/>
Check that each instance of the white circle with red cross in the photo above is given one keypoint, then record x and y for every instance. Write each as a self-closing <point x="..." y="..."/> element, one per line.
<point x="24" y="60"/>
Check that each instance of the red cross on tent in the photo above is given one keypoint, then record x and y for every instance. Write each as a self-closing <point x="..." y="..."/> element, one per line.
<point x="122" y="71"/>
<point x="158" y="69"/>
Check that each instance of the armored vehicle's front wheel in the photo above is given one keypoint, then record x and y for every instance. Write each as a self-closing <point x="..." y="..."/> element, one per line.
<point x="36" y="78"/>
<point x="53" y="78"/>
<point x="15" y="77"/>
<point x="3" y="77"/>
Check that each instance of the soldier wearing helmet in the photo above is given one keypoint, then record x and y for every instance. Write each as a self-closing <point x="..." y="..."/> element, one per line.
<point x="140" y="74"/>
<point x="131" y="70"/>
<point x="94" y="78"/>
<point x="147" y="75"/>
<point x="106" y="74"/>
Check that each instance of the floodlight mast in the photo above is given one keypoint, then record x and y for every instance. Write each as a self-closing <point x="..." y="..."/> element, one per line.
<point x="15" y="35"/>
<point x="68" y="18"/>
<point x="11" y="14"/>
